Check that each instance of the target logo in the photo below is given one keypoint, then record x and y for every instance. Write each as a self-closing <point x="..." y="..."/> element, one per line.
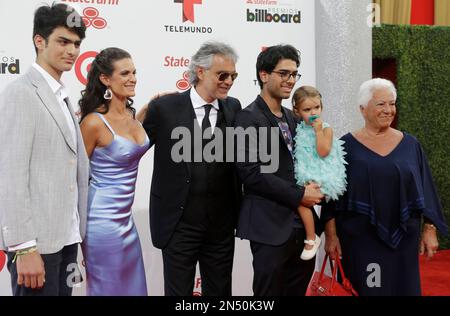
<point x="91" y="18"/>
<point x="183" y="84"/>
<point x="83" y="65"/>
<point x="2" y="260"/>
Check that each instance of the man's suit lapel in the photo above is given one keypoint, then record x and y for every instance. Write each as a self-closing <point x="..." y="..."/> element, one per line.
<point x="291" y="122"/>
<point x="49" y="100"/>
<point x="227" y="112"/>
<point x="186" y="117"/>
<point x="271" y="118"/>
<point x="77" y="125"/>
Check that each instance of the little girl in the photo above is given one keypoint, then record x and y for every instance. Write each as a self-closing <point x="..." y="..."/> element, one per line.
<point x="319" y="158"/>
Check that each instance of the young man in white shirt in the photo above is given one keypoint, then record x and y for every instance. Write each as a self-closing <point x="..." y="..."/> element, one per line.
<point x="43" y="163"/>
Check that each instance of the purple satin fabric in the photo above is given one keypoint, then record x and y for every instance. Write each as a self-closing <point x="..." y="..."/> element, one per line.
<point x="111" y="249"/>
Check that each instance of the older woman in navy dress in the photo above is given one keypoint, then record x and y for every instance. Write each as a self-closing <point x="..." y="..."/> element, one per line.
<point x="378" y="221"/>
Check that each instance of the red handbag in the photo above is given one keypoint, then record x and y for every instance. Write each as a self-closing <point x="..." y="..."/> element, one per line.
<point x="324" y="285"/>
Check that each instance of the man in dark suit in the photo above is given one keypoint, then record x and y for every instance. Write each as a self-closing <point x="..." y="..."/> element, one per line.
<point x="194" y="200"/>
<point x="268" y="216"/>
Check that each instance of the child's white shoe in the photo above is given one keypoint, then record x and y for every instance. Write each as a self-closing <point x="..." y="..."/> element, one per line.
<point x="309" y="254"/>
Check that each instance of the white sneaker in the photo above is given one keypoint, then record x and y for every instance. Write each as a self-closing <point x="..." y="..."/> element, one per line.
<point x="309" y="254"/>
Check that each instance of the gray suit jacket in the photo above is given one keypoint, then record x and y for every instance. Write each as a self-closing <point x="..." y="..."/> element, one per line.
<point x="40" y="164"/>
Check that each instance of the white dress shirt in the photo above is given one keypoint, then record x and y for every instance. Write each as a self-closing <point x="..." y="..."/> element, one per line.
<point x="199" y="107"/>
<point x="60" y="93"/>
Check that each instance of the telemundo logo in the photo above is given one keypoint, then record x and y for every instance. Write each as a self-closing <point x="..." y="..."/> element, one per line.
<point x="264" y="16"/>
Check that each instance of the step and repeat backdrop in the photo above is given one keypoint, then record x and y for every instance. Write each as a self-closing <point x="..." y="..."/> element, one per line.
<point x="161" y="36"/>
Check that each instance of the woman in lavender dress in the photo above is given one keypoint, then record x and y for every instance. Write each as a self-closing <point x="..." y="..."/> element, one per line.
<point x="115" y="142"/>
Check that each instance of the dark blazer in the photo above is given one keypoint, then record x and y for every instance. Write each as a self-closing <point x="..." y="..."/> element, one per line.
<point x="270" y="199"/>
<point x="171" y="180"/>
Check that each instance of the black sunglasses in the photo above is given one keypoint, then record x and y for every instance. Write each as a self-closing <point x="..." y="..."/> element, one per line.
<point x="222" y="76"/>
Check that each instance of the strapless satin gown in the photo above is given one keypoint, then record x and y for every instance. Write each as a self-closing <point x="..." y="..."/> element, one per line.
<point x="111" y="249"/>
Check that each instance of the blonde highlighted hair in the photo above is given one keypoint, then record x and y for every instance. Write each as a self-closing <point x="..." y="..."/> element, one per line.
<point x="303" y="93"/>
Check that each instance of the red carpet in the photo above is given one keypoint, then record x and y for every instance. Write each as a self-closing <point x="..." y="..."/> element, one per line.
<point x="435" y="274"/>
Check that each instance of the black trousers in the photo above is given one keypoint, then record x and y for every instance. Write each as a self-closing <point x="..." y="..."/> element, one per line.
<point x="278" y="270"/>
<point x="198" y="242"/>
<point x="61" y="274"/>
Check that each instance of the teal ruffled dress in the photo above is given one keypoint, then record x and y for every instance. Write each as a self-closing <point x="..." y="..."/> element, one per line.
<point x="328" y="172"/>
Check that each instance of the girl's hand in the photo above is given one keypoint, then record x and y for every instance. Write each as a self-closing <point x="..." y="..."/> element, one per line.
<point x="317" y="125"/>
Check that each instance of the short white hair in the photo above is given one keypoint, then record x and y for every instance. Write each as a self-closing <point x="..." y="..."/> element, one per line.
<point x="370" y="86"/>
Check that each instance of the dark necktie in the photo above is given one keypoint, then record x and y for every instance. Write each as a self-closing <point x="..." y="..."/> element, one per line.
<point x="206" y="123"/>
<point x="66" y="101"/>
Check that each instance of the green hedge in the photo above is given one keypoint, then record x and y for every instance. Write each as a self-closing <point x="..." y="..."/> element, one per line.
<point x="423" y="83"/>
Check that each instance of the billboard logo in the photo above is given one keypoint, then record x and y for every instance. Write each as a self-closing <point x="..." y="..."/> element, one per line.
<point x="91" y="18"/>
<point x="264" y="16"/>
<point x="9" y="66"/>
<point x="83" y="65"/>
<point x="188" y="9"/>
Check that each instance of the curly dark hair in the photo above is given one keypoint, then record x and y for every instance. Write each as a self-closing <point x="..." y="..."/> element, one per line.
<point x="92" y="97"/>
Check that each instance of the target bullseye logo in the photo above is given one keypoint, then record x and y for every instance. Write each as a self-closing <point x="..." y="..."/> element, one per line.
<point x="83" y="65"/>
<point x="91" y="18"/>
<point x="2" y="260"/>
<point x="197" y="287"/>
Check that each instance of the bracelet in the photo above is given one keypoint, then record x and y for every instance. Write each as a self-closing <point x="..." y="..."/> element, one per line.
<point x="430" y="225"/>
<point x="24" y="252"/>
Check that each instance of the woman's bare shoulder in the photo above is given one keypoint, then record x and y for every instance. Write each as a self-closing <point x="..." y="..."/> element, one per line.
<point x="92" y="122"/>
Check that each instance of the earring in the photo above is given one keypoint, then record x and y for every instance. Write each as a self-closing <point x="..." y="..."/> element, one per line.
<point x="108" y="94"/>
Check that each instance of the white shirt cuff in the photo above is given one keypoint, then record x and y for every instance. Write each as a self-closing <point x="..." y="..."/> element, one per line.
<point x="24" y="245"/>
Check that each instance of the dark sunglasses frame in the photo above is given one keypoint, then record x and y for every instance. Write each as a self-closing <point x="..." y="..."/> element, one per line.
<point x="286" y="75"/>
<point x="222" y="76"/>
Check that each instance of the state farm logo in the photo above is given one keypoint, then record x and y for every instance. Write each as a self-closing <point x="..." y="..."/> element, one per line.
<point x="262" y="2"/>
<point x="98" y="2"/>
<point x="188" y="9"/>
<point x="83" y="65"/>
<point x="91" y="18"/>
<point x="188" y="15"/>
<point x="2" y="260"/>
<point x="182" y="62"/>
<point x="183" y="84"/>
